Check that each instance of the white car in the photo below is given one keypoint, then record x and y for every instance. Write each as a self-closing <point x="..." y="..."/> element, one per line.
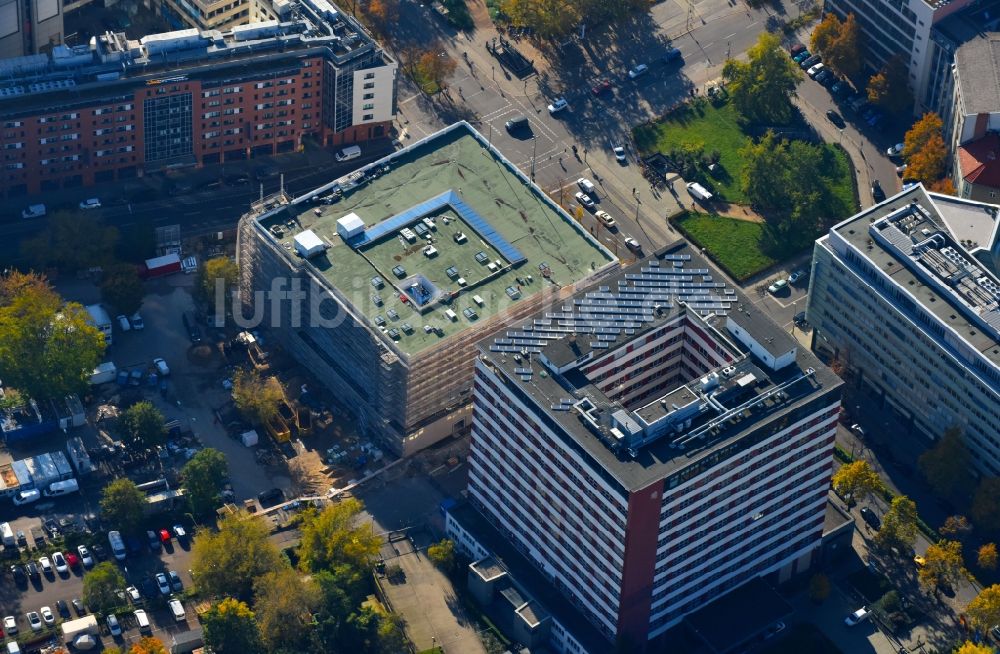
<point x="796" y="276"/>
<point x="161" y="367"/>
<point x="777" y="286"/>
<point x="137" y="322"/>
<point x="858" y="616"/>
<point x="638" y="71"/>
<point x="133" y="594"/>
<point x="85" y="558"/>
<point x="632" y="244"/>
<point x="26" y="497"/>
<point x="114" y="626"/>
<point x="90" y="203"/>
<point x="47" y="616"/>
<point x="586" y="185"/>
<point x="858" y="429"/>
<point x="584" y="199"/>
<point x="123" y="322"/>
<point x="619" y="153"/>
<point x="10" y="625"/>
<point x="60" y="562"/>
<point x="162" y="583"/>
<point x="34" y="621"/>
<point x="558" y="105"/>
<point x="815" y="70"/>
<point x="895" y="150"/>
<point x="45" y="565"/>
<point x="605" y="218"/>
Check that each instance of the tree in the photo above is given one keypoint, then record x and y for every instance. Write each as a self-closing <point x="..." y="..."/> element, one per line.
<point x="48" y="349"/>
<point x="284" y="604"/>
<point x="924" y="150"/>
<point x="762" y="87"/>
<point x="392" y="634"/>
<point x="122" y="288"/>
<point x="256" y="397"/>
<point x="112" y="649"/>
<point x="143" y="425"/>
<point x="231" y="628"/>
<point x="215" y="275"/>
<point x="825" y="33"/>
<point x="987" y="556"/>
<point x="443" y="554"/>
<point x="101" y="585"/>
<point x="956" y="527"/>
<point x="226" y="562"/>
<point x="549" y="18"/>
<point x="819" y="588"/>
<point x="856" y="480"/>
<point x="943" y="185"/>
<point x="203" y="478"/>
<point x="984" y="610"/>
<point x="73" y="241"/>
<point x="383" y="14"/>
<point x="333" y="536"/>
<point x="843" y="54"/>
<point x="342" y="589"/>
<point x="986" y="504"/>
<point x="918" y="136"/>
<point x="765" y="161"/>
<point x="148" y="645"/>
<point x="433" y="66"/>
<point x="945" y="466"/>
<point x="899" y="525"/>
<point x="969" y="647"/>
<point x="889" y="88"/>
<point x="123" y="504"/>
<point x="943" y="565"/>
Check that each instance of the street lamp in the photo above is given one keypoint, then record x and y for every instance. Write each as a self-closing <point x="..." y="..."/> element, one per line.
<point x="534" y="146"/>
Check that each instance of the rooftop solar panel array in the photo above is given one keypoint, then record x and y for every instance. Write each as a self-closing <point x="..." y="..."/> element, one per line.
<point x="607" y="314"/>
<point x="447" y="199"/>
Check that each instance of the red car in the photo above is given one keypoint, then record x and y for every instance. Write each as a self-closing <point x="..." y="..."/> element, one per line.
<point x="602" y="87"/>
<point x="164" y="535"/>
<point x="72" y="559"/>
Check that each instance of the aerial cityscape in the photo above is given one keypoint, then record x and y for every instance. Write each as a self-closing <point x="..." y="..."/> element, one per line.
<point x="489" y="326"/>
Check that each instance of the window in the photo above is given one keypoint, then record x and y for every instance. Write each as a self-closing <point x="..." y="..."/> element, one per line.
<point x="369" y="96"/>
<point x="368" y="117"/>
<point x="369" y="75"/>
<point x="369" y="85"/>
<point x="368" y="107"/>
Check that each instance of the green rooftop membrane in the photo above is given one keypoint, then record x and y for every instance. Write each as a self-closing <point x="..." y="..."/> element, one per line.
<point x="490" y="240"/>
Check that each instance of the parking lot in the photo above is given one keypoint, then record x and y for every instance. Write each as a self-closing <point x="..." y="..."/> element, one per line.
<point x="17" y="599"/>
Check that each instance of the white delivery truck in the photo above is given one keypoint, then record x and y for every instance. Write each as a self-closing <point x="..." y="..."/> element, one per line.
<point x="104" y="373"/>
<point x="7" y="534"/>
<point x="72" y="629"/>
<point x="348" y="153"/>
<point x="33" y="211"/>
<point x="699" y="192"/>
<point x="100" y="319"/>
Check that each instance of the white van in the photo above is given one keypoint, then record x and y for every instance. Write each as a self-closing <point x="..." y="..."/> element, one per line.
<point x="7" y="534"/>
<point x="587" y="186"/>
<point x="143" y="620"/>
<point x="34" y="211"/>
<point x="348" y="153"/>
<point x="117" y="545"/>
<point x="699" y="192"/>
<point x="62" y="488"/>
<point x="178" y="610"/>
<point x="13" y="648"/>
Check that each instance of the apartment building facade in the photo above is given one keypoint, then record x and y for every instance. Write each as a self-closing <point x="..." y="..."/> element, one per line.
<point x="902" y="28"/>
<point x="119" y="108"/>
<point x="29" y="26"/>
<point x="905" y="294"/>
<point x="648" y="455"/>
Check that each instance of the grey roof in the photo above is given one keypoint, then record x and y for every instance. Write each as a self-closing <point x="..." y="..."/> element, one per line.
<point x="978" y="74"/>
<point x="762" y="329"/>
<point x="607" y="320"/>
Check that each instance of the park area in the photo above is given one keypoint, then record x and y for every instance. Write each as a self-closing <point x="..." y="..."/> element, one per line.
<point x="800" y="187"/>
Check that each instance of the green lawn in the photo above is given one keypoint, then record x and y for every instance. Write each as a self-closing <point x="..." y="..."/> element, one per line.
<point x="716" y="128"/>
<point x="734" y="244"/>
<point x="802" y="638"/>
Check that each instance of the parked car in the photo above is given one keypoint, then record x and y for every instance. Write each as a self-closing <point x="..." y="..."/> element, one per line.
<point x="90" y="203"/>
<point x="78" y="607"/>
<point x="870" y="517"/>
<point x="45" y="565"/>
<point x="26" y="497"/>
<point x="32" y="570"/>
<point x="797" y="276"/>
<point x="85" y="557"/>
<point x="162" y="583"/>
<point x="62" y="607"/>
<point x="10" y="625"/>
<point x="584" y="199"/>
<point x="619" y="154"/>
<point x="673" y="55"/>
<point x="34" y="620"/>
<point x="154" y="541"/>
<point x="835" y="118"/>
<point x="123" y="323"/>
<point x="161" y="367"/>
<point x="777" y="286"/>
<point x="180" y="533"/>
<point x="877" y="193"/>
<point x="558" y="105"/>
<point x="47" y="616"/>
<point x="638" y="71"/>
<point x="137" y="322"/>
<point x="901" y="169"/>
<point x="601" y="87"/>
<point x="815" y="70"/>
<point x="114" y="626"/>
<point x="72" y="559"/>
<point x="133" y="594"/>
<point x="586" y="186"/>
<point x="857" y="617"/>
<point x="17" y="571"/>
<point x="633" y="244"/>
<point x="60" y="562"/>
<point x="164" y="536"/>
<point x="801" y="56"/>
<point x="895" y="150"/>
<point x="919" y="561"/>
<point x="175" y="581"/>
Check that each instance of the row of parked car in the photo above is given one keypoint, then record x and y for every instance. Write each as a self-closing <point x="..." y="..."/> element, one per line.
<point x="840" y="89"/>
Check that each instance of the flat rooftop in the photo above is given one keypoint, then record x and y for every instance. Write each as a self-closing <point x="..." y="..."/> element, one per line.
<point x="453" y="237"/>
<point x="909" y="238"/>
<point x="676" y="282"/>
